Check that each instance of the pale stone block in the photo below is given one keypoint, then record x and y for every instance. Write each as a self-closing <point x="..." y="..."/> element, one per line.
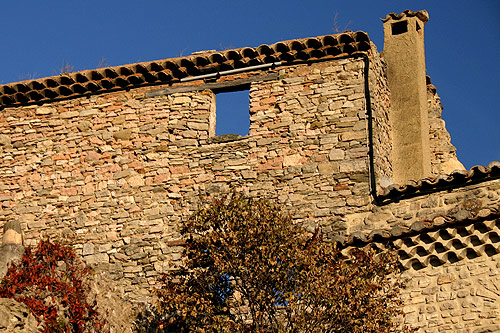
<point x="336" y="154"/>
<point x="43" y="110"/>
<point x="136" y="180"/>
<point x="181" y="100"/>
<point x="99" y="258"/>
<point x="292" y="160"/>
<point x="88" y="248"/>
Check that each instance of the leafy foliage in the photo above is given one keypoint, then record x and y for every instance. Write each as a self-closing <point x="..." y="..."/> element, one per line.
<point x="50" y="280"/>
<point x="248" y="268"/>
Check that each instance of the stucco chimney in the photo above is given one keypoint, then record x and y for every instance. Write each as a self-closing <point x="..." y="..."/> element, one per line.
<point x="404" y="54"/>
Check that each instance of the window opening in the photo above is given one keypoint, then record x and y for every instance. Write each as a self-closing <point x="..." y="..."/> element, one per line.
<point x="232" y="113"/>
<point x="399" y="28"/>
<point x="418" y="27"/>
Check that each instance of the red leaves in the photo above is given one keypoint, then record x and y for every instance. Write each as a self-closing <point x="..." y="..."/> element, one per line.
<point x="49" y="281"/>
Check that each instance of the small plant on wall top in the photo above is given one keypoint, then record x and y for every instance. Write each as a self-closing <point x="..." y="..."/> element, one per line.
<point x="52" y="282"/>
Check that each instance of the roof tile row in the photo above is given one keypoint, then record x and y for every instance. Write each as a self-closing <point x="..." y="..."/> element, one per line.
<point x="456" y="178"/>
<point x="174" y="69"/>
<point x="400" y="231"/>
<point x="423" y="15"/>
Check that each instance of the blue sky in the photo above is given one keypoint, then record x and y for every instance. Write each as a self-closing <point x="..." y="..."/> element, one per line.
<point x="462" y="43"/>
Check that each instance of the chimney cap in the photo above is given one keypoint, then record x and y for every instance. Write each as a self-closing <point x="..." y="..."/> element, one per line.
<point x="423" y="15"/>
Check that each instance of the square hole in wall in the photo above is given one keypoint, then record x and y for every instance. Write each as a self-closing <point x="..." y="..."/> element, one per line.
<point x="399" y="28"/>
<point x="232" y="112"/>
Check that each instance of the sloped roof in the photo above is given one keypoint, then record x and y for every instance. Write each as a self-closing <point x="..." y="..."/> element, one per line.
<point x="456" y="178"/>
<point x="437" y="222"/>
<point x="172" y="70"/>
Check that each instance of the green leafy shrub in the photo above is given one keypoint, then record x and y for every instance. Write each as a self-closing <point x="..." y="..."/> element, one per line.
<point x="51" y="281"/>
<point x="248" y="268"/>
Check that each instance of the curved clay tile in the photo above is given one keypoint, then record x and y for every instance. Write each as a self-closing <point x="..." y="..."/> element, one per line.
<point x="155" y="67"/>
<point x="22" y="88"/>
<point x="136" y="79"/>
<point x="217" y="58"/>
<point x="95" y="75"/>
<point x="313" y="43"/>
<point x="364" y="46"/>
<point x="270" y="59"/>
<point x="7" y="90"/>
<point x="92" y="86"/>
<point x="379" y="234"/>
<point x="233" y="55"/>
<point x="297" y="46"/>
<point x="334" y="51"/>
<point x="121" y="81"/>
<point x="423" y="15"/>
<point x="317" y="54"/>
<point x="21" y="98"/>
<point x="110" y="73"/>
<point x="346" y="38"/>
<point x="201" y="61"/>
<point x="265" y="50"/>
<point x="49" y="93"/>
<point x="239" y="63"/>
<point x="7" y="99"/>
<point x="398" y="231"/>
<point x="361" y="36"/>
<point x="107" y="83"/>
<point x="36" y="85"/>
<point x="35" y="95"/>
<point x="330" y="40"/>
<point x="150" y="77"/>
<point x="281" y="47"/>
<point x="187" y="63"/>
<point x="165" y="75"/>
<point x="78" y="88"/>
<point x="287" y="57"/>
<point x="140" y="68"/>
<point x="64" y="91"/>
<point x="348" y="48"/>
<point x="67" y="80"/>
<point x="249" y="52"/>
<point x="125" y="71"/>
<point x="172" y="67"/>
<point x="78" y="77"/>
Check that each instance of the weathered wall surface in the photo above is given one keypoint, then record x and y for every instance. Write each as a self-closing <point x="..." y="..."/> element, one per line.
<point x="460" y="295"/>
<point x="382" y="135"/>
<point x="443" y="153"/>
<point x="119" y="171"/>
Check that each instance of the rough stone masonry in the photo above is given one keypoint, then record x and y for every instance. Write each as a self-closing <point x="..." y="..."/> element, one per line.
<point x="115" y="158"/>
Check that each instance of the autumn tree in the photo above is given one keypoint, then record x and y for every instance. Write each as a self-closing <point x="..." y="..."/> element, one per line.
<point x="248" y="267"/>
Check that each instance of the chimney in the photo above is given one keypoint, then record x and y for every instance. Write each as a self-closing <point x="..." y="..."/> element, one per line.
<point x="404" y="54"/>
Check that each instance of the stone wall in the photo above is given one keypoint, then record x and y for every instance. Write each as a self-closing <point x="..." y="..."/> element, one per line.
<point x="382" y="135"/>
<point x="443" y="153"/>
<point x="119" y="171"/>
<point x="462" y="294"/>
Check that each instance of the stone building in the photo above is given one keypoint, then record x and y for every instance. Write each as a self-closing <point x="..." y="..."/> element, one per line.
<point x="344" y="137"/>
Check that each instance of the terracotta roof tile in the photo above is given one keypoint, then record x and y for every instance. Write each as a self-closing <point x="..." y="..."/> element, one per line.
<point x="423" y="15"/>
<point x="419" y="227"/>
<point x="456" y="178"/>
<point x="172" y="70"/>
<point x="453" y="241"/>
